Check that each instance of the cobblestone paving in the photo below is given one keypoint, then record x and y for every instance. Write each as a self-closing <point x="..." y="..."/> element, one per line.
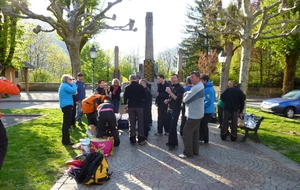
<point x="220" y="165"/>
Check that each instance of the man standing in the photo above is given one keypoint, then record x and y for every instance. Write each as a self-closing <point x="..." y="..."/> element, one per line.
<point x="233" y="99"/>
<point x="174" y="102"/>
<point x="79" y="97"/>
<point x="146" y="107"/>
<point x="162" y="120"/>
<point x="194" y="104"/>
<point x="133" y="99"/>
<point x="209" y="108"/>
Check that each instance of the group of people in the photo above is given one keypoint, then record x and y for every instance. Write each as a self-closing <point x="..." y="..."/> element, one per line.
<point x="195" y="101"/>
<point x="71" y="95"/>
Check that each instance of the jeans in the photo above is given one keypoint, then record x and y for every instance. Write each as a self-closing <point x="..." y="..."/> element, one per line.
<point x="79" y="112"/>
<point x="116" y="104"/>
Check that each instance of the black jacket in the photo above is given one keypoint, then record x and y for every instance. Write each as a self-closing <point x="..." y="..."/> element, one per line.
<point x="234" y="99"/>
<point x="161" y="93"/>
<point x="134" y="95"/>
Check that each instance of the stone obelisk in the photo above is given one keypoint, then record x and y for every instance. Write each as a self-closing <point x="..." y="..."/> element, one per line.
<point x="149" y="58"/>
<point x="117" y="70"/>
<point x="179" y="66"/>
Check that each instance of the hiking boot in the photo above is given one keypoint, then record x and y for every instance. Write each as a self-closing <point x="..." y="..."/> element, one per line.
<point x="142" y="142"/>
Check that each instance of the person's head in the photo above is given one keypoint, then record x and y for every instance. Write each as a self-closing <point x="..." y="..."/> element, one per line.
<point x="230" y="83"/>
<point x="80" y="76"/>
<point x="239" y="85"/>
<point x="115" y="82"/>
<point x="107" y="99"/>
<point x="138" y="78"/>
<point x="67" y="78"/>
<point x="188" y="81"/>
<point x="204" y="79"/>
<point x="174" y="79"/>
<point x="101" y="83"/>
<point x="1" y="68"/>
<point x="160" y="78"/>
<point x="143" y="82"/>
<point x="195" y="77"/>
<point x="105" y="86"/>
<point x="132" y="78"/>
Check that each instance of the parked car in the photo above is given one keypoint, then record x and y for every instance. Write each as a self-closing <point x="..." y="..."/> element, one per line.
<point x="288" y="104"/>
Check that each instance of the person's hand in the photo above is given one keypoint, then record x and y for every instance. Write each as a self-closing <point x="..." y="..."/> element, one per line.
<point x="156" y="105"/>
<point x="168" y="90"/>
<point x="166" y="101"/>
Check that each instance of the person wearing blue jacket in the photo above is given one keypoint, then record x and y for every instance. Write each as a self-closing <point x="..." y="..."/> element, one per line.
<point x="80" y="95"/>
<point x="209" y="108"/>
<point x="65" y="93"/>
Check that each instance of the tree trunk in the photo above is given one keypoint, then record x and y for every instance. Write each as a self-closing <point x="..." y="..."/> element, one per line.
<point x="289" y="72"/>
<point x="247" y="46"/>
<point x="226" y="67"/>
<point x="74" y="53"/>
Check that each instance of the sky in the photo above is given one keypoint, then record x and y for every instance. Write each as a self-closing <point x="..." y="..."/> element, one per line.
<point x="169" y="18"/>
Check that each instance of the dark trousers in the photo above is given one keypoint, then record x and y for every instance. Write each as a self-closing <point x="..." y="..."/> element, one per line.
<point x="136" y="114"/>
<point x="220" y="115"/>
<point x="203" y="130"/>
<point x="173" y="119"/>
<point x="191" y="137"/>
<point x="73" y="115"/>
<point x="162" y="120"/>
<point x="234" y="120"/>
<point x="67" y="115"/>
<point x="92" y="118"/>
<point x="116" y="104"/>
<point x="183" y="119"/>
<point x="146" y="121"/>
<point x="110" y="118"/>
<point x="3" y="143"/>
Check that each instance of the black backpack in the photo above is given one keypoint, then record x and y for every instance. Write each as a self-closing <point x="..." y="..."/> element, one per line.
<point x="93" y="171"/>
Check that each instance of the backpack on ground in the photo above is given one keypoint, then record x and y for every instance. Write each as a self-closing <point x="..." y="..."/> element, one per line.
<point x="93" y="171"/>
<point x="90" y="104"/>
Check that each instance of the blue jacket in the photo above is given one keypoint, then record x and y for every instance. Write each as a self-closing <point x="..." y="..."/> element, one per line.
<point x="210" y="97"/>
<point x="65" y="94"/>
<point x="80" y="91"/>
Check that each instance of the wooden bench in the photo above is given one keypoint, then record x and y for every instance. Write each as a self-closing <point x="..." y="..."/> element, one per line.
<point x="258" y="120"/>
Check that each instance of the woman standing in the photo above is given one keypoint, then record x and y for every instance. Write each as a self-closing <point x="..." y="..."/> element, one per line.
<point x="66" y="90"/>
<point x="115" y="90"/>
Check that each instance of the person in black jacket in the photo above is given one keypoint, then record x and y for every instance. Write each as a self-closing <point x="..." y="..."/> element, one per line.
<point x="174" y="105"/>
<point x="146" y="106"/>
<point x="106" y="116"/>
<point x="115" y="90"/>
<point x="234" y="101"/>
<point x="162" y="95"/>
<point x="134" y="95"/>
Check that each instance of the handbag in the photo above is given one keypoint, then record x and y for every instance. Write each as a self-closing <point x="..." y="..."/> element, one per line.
<point x="104" y="145"/>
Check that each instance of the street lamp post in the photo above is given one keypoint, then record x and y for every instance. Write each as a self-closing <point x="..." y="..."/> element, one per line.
<point x="222" y="59"/>
<point x="93" y="54"/>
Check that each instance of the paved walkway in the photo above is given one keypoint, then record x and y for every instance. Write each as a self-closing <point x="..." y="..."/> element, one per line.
<point x="220" y="165"/>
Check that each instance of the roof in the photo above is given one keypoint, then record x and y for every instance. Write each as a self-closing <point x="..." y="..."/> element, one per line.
<point x="27" y="65"/>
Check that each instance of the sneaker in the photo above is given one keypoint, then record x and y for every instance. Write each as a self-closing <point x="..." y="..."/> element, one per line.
<point x="81" y="124"/>
<point x="166" y="134"/>
<point x="142" y="142"/>
<point x="182" y="155"/>
<point x="133" y="144"/>
<point x="70" y="143"/>
<point x="158" y="134"/>
<point x="201" y="142"/>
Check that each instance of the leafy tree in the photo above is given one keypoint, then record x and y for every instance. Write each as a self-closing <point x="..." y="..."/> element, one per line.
<point x="74" y="21"/>
<point x="207" y="62"/>
<point x="167" y="61"/>
<point x="249" y="24"/>
<point x="126" y="69"/>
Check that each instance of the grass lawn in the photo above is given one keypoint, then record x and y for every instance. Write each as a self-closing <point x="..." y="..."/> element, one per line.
<point x="36" y="158"/>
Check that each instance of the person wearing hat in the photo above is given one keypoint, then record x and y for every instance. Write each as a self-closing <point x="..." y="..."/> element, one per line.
<point x="80" y="95"/>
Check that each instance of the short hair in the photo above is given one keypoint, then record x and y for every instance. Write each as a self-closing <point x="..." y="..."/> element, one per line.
<point x="143" y="80"/>
<point x="196" y="73"/>
<point x="99" y="81"/>
<point x="107" y="98"/>
<point x="65" y="77"/>
<point x="174" y="75"/>
<point x="115" y="80"/>
<point x="188" y="80"/>
<point x="138" y="76"/>
<point x="161" y="76"/>
<point x="239" y="85"/>
<point x="205" y="77"/>
<point x="132" y="77"/>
